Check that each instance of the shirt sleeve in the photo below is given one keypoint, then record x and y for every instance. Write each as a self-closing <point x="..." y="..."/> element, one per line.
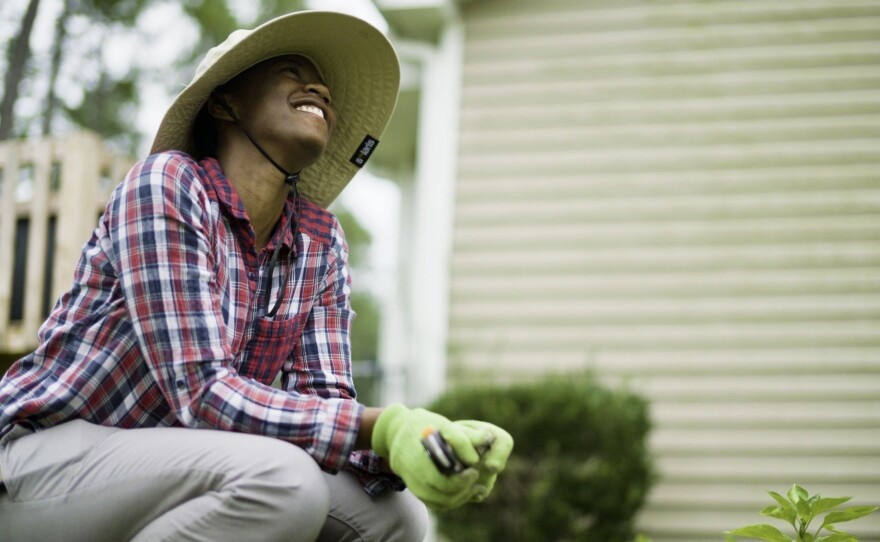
<point x="161" y="245"/>
<point x="365" y="464"/>
<point x="321" y="361"/>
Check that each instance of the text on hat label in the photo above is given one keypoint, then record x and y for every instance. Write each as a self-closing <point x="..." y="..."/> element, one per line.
<point x="363" y="152"/>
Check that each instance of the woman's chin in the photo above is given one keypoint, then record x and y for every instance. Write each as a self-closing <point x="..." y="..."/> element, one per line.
<point x="307" y="152"/>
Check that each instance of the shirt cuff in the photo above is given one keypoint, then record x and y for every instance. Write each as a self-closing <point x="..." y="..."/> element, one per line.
<point x="365" y="465"/>
<point x="338" y="434"/>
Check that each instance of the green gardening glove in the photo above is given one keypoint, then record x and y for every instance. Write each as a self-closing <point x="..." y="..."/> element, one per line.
<point x="497" y="444"/>
<point x="397" y="435"/>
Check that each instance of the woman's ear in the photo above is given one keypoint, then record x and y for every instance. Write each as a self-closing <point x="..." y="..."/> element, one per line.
<point x="219" y="108"/>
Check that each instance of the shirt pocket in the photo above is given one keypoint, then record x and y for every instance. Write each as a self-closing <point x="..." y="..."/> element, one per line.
<point x="271" y="344"/>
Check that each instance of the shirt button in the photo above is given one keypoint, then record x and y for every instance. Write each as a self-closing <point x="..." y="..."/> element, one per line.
<point x="252" y="275"/>
<point x="181" y="385"/>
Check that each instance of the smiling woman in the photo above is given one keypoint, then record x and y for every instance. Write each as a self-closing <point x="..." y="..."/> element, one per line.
<point x="310" y="94"/>
<point x="209" y="275"/>
<point x="287" y="112"/>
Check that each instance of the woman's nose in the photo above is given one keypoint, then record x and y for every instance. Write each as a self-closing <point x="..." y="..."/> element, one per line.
<point x="320" y="90"/>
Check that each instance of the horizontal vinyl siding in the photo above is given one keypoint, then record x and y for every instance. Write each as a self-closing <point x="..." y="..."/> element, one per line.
<point x="685" y="197"/>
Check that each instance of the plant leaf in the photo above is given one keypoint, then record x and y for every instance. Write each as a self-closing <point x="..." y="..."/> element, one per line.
<point x="803" y="510"/>
<point x="837" y="537"/>
<point x="786" y="514"/>
<point x="785" y="503"/>
<point x="796" y="493"/>
<point x="834" y="529"/>
<point x="848" y="515"/>
<point x="823" y="505"/>
<point x="762" y="532"/>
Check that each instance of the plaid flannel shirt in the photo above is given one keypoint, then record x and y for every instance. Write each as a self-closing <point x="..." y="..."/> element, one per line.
<point x="164" y="324"/>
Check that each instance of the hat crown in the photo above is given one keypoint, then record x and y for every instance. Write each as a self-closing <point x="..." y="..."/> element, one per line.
<point x="215" y="53"/>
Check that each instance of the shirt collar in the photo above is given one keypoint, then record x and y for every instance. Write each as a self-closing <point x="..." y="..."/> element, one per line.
<point x="231" y="203"/>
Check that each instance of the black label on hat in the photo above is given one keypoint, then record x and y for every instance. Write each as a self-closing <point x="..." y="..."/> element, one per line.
<point x="366" y="148"/>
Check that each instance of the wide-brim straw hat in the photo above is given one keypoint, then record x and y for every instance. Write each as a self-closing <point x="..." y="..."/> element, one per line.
<point x="357" y="63"/>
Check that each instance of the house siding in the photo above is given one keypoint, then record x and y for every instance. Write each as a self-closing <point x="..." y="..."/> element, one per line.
<point x="685" y="197"/>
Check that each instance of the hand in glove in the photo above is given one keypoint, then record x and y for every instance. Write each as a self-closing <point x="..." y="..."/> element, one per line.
<point x="397" y="435"/>
<point x="494" y="459"/>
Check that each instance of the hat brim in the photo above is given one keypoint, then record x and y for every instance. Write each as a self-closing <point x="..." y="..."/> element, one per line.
<point x="358" y="65"/>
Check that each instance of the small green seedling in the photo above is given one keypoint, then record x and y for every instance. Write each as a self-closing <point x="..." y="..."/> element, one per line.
<point x="800" y="509"/>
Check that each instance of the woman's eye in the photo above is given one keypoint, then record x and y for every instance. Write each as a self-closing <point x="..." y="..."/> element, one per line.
<point x="293" y="69"/>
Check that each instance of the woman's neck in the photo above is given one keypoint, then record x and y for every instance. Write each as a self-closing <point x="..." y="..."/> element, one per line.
<point x="260" y="186"/>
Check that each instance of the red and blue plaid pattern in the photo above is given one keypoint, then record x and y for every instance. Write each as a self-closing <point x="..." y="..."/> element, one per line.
<point x="164" y="324"/>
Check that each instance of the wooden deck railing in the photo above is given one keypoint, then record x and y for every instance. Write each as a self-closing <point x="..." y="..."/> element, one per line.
<point x="51" y="192"/>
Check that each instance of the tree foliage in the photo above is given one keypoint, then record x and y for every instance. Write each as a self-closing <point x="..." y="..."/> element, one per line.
<point x="18" y="53"/>
<point x="107" y="107"/>
<point x="274" y="8"/>
<point x="365" y="329"/>
<point x="215" y="21"/>
<point x="107" y="104"/>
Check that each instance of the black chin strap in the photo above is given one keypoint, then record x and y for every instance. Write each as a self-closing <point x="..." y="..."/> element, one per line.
<point x="289" y="178"/>
<point x="293" y="217"/>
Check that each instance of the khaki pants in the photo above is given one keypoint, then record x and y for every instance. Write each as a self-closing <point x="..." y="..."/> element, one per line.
<point x="84" y="482"/>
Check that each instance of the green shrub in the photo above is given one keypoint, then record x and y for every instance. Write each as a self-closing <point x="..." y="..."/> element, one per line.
<point x="579" y="470"/>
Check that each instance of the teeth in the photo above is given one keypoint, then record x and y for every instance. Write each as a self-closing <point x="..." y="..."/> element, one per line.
<point x="311" y="109"/>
